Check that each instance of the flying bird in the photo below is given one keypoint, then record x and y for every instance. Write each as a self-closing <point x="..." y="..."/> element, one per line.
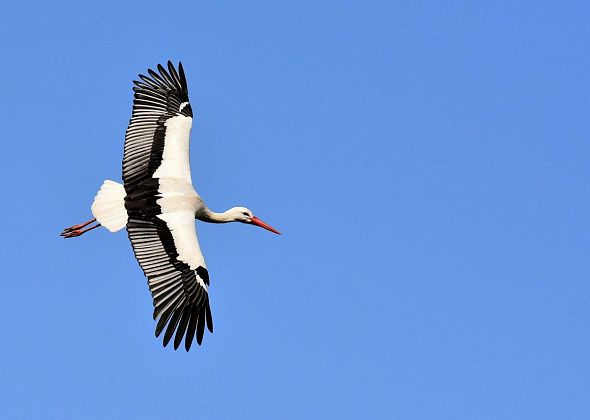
<point x="158" y="205"/>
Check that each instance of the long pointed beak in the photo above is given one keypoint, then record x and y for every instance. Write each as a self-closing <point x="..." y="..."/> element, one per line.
<point x="256" y="221"/>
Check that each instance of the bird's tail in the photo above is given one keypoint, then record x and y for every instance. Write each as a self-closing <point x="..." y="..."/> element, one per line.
<point x="109" y="206"/>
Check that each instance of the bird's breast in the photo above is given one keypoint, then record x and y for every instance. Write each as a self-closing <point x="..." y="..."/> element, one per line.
<point x="176" y="195"/>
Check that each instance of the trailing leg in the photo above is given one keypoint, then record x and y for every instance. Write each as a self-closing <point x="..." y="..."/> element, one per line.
<point x="76" y="230"/>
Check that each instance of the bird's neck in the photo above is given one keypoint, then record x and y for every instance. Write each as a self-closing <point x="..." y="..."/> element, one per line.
<point x="212" y="217"/>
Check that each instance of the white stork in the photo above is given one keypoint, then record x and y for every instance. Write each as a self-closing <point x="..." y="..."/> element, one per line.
<point x="158" y="205"/>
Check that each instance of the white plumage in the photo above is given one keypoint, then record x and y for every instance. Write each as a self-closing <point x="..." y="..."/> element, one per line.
<point x="109" y="206"/>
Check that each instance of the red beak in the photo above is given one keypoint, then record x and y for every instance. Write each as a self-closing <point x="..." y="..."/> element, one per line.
<point x="256" y="221"/>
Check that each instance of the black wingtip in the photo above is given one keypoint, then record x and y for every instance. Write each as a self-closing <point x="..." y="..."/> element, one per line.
<point x="171" y="68"/>
<point x="209" y="317"/>
<point x="201" y="326"/>
<point x="182" y="78"/>
<point x="181" y="328"/>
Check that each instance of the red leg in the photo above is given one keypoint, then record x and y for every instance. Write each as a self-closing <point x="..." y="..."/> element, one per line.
<point x="72" y="233"/>
<point x="80" y="226"/>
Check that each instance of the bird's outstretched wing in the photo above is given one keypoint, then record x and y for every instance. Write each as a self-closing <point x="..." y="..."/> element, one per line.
<point x="180" y="292"/>
<point x="160" y="204"/>
<point x="161" y="114"/>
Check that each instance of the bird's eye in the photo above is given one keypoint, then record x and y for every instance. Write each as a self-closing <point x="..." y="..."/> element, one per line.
<point x="245" y="214"/>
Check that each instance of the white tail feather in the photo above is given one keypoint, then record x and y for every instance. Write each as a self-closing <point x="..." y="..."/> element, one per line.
<point x="109" y="206"/>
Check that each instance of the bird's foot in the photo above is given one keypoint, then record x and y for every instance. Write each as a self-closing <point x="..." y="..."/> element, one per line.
<point x="71" y="233"/>
<point x="76" y="230"/>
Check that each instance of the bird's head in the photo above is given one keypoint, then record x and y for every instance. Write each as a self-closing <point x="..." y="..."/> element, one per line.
<point x="244" y="215"/>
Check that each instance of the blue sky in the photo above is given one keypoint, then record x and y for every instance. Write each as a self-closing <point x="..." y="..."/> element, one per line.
<point x="427" y="164"/>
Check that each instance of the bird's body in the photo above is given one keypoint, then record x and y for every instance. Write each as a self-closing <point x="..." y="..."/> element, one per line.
<point x="158" y="205"/>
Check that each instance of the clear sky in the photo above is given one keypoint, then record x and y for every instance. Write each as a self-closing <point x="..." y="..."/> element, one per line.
<point x="428" y="165"/>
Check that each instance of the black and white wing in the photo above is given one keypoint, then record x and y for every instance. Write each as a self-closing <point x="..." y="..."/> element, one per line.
<point x="161" y="204"/>
<point x="180" y="293"/>
<point x="161" y="114"/>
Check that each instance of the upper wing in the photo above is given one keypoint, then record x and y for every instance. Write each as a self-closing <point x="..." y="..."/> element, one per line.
<point x="156" y="141"/>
